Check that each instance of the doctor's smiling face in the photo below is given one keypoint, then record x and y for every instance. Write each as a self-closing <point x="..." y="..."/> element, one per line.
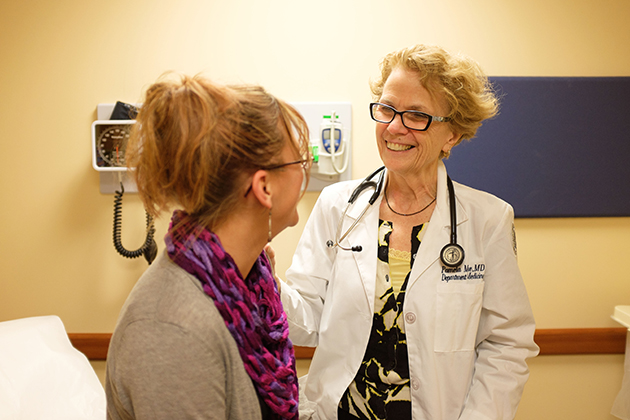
<point x="405" y="151"/>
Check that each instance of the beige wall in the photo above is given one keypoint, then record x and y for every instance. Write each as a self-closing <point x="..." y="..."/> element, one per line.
<point x="60" y="59"/>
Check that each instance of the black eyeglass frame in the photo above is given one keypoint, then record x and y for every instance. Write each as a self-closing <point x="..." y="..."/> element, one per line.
<point x="282" y="165"/>
<point x="402" y="116"/>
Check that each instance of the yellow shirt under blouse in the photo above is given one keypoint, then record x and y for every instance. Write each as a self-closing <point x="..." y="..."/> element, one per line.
<point x="399" y="266"/>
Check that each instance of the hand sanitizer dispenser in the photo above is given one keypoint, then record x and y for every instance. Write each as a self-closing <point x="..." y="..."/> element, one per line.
<point x="332" y="146"/>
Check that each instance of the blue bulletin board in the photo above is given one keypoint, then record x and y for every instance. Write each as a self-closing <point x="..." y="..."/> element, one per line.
<point x="560" y="147"/>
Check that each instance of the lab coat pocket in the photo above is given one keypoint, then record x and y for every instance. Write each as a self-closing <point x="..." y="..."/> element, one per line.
<point x="458" y="309"/>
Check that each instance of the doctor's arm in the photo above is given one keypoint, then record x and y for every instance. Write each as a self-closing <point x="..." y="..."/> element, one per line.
<point x="304" y="291"/>
<point x="505" y="338"/>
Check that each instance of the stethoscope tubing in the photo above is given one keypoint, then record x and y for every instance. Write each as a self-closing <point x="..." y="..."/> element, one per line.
<point x="452" y="255"/>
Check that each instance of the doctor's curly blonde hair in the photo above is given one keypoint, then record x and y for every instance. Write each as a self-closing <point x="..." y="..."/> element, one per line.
<point x="461" y="81"/>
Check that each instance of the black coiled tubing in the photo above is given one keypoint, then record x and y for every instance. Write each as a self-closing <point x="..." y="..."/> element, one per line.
<point x="149" y="248"/>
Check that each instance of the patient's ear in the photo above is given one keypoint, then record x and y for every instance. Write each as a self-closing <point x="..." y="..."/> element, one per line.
<point x="261" y="188"/>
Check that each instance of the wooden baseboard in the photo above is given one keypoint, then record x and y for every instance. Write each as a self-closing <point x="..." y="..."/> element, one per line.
<point x="550" y="341"/>
<point x="94" y="346"/>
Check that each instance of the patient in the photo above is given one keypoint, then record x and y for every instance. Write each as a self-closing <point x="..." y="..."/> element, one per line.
<point x="203" y="334"/>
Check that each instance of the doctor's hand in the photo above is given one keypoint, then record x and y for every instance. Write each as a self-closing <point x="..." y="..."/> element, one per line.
<point x="271" y="255"/>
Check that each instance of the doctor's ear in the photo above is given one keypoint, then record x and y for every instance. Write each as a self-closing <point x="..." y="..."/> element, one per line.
<point x="448" y="146"/>
<point x="455" y="139"/>
<point x="261" y="188"/>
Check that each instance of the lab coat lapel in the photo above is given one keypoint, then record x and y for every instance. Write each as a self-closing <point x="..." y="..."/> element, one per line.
<point x="439" y="231"/>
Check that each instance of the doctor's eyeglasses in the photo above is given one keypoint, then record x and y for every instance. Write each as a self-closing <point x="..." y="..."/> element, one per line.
<point x="413" y="120"/>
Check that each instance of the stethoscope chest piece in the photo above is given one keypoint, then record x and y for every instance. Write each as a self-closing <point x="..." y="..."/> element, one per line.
<point x="452" y="255"/>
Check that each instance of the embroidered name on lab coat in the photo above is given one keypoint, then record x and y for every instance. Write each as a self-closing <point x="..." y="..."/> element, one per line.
<point x="464" y="273"/>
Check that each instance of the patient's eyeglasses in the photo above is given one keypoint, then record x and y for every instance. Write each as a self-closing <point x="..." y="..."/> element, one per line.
<point x="305" y="168"/>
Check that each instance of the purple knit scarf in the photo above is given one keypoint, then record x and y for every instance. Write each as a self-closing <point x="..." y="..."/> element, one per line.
<point x="251" y="309"/>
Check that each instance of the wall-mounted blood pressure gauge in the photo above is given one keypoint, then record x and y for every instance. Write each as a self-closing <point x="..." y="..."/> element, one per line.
<point x="109" y="143"/>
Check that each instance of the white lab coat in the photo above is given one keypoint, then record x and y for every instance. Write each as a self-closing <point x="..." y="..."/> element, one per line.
<point x="469" y="333"/>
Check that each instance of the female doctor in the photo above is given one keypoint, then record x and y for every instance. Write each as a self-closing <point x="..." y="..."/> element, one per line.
<point x="404" y="328"/>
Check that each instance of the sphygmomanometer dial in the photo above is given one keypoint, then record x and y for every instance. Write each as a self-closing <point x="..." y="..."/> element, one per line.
<point x="112" y="143"/>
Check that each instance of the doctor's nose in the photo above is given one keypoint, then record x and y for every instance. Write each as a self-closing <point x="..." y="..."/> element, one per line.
<point x="396" y="125"/>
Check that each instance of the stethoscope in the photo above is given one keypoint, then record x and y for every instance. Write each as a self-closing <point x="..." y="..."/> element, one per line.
<point x="452" y="255"/>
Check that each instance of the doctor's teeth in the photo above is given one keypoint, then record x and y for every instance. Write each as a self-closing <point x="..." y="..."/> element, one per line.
<point x="397" y="147"/>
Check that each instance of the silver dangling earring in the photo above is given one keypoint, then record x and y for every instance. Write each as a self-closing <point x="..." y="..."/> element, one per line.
<point x="269" y="239"/>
